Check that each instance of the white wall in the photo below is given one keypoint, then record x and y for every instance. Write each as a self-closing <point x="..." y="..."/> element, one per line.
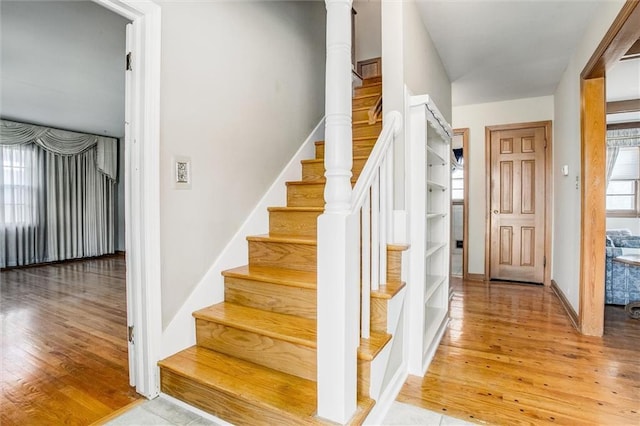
<point x="409" y="59"/>
<point x="242" y="86"/>
<point x="368" y="29"/>
<point x="476" y="118"/>
<point x="424" y="73"/>
<point x="566" y="150"/>
<point x="62" y="65"/>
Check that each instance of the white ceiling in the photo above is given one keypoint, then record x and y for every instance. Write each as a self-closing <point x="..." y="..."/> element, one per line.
<point x="500" y="50"/>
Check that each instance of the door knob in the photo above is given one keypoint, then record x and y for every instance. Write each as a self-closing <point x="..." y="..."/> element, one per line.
<point x="495" y="212"/>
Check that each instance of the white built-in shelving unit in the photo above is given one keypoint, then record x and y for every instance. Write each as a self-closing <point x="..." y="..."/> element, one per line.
<point x="428" y="202"/>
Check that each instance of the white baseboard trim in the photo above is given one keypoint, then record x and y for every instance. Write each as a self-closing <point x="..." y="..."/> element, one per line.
<point x="180" y="333"/>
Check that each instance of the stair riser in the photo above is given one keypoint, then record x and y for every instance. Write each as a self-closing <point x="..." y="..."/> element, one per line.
<point x="379" y="315"/>
<point x="230" y="408"/>
<point x="360" y="115"/>
<point x="367" y="130"/>
<point x="273" y="353"/>
<point x="311" y="195"/>
<point x="301" y="257"/>
<point x="361" y="147"/>
<point x="394" y="266"/>
<point x="315" y="171"/>
<point x="364" y="375"/>
<point x="293" y="223"/>
<point x="372" y="80"/>
<point x="271" y="297"/>
<point x="366" y="101"/>
<point x="374" y="89"/>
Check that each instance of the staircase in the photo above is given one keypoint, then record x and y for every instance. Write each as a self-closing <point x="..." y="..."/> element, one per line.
<point x="254" y="361"/>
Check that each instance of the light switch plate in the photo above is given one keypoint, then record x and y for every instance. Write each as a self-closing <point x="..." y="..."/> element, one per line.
<point x="182" y="172"/>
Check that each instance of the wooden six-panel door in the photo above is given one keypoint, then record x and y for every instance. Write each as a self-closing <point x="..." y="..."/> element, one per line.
<point x="517" y="203"/>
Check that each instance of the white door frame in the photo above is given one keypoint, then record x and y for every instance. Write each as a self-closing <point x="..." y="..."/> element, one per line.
<point x="142" y="186"/>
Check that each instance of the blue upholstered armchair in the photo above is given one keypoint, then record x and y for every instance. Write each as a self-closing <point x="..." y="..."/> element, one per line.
<point x="622" y="281"/>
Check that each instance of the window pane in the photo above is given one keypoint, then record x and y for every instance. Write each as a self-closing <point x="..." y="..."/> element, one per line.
<point x="627" y="164"/>
<point x="620" y="187"/>
<point x="620" y="202"/>
<point x="457" y="194"/>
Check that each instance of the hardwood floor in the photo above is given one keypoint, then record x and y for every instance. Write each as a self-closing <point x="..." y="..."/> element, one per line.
<point x="64" y="349"/>
<point x="511" y="356"/>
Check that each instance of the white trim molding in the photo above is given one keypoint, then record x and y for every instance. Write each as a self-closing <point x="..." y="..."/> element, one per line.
<point x="142" y="185"/>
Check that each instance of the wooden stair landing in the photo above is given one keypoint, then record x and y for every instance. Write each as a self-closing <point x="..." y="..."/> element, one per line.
<point x="255" y="356"/>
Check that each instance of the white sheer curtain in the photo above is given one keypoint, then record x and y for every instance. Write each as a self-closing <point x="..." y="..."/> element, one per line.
<point x="22" y="237"/>
<point x="58" y="194"/>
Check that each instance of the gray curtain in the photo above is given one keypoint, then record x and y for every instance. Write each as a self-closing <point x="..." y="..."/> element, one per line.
<point x="617" y="139"/>
<point x="57" y="199"/>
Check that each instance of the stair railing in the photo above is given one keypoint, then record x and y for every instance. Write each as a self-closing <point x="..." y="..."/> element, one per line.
<point x="340" y="228"/>
<point x="372" y="201"/>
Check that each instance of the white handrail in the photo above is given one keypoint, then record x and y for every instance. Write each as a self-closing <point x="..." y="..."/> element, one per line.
<point x="392" y="127"/>
<point x="372" y="201"/>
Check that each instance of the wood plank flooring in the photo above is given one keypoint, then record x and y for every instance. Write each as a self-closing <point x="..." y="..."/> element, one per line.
<point x="510" y="356"/>
<point x="63" y="343"/>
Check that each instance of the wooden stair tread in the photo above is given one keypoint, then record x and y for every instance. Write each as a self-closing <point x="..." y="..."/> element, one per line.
<point x="295" y="209"/>
<point x="282" y="276"/>
<point x="267" y="389"/>
<point x="366" y="95"/>
<point x="397" y="247"/>
<point x="373" y="139"/>
<point x="260" y="385"/>
<point x="289" y="328"/>
<point x="312" y="182"/>
<point x="283" y="239"/>
<point x="371" y="347"/>
<point x="387" y="291"/>
<point x="372" y="84"/>
<point x="321" y="160"/>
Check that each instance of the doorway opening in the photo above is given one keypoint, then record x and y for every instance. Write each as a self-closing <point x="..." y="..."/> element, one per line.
<point x="142" y="188"/>
<point x="459" y="203"/>
<point x="618" y="40"/>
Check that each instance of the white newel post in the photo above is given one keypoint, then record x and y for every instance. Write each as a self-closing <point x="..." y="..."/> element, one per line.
<point x="338" y="242"/>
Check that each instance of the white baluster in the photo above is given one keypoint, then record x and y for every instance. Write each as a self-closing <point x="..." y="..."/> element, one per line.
<point x="375" y="233"/>
<point x="365" y="238"/>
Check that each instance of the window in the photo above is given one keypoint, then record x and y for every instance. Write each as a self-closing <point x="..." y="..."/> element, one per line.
<point x="624" y="184"/>
<point x="457" y="175"/>
<point x="457" y="184"/>
<point x="18" y="190"/>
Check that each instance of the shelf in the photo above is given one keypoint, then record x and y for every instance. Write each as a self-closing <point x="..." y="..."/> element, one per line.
<point x="432" y="153"/>
<point x="435" y="215"/>
<point x="433" y="283"/>
<point x="435" y="185"/>
<point x="433" y="247"/>
<point x="434" y="318"/>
